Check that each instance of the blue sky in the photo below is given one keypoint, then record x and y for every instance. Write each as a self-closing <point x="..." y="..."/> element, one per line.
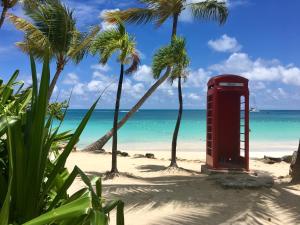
<point x="261" y="41"/>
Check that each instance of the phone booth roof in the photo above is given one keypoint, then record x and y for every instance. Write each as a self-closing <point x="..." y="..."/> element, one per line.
<point x="228" y="80"/>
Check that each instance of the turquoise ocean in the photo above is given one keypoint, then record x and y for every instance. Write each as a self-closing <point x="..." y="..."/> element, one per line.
<point x="157" y="125"/>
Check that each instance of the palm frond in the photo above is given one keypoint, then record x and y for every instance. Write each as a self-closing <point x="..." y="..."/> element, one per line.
<point x="32" y="33"/>
<point x="105" y="44"/>
<point x="30" y="47"/>
<point x="133" y="15"/>
<point x="53" y="25"/>
<point x="12" y="3"/>
<point x="80" y="44"/>
<point x="135" y="62"/>
<point x="56" y="21"/>
<point x="161" y="60"/>
<point x="115" y="40"/>
<point x="210" y="10"/>
<point x="174" y="56"/>
<point x="165" y="9"/>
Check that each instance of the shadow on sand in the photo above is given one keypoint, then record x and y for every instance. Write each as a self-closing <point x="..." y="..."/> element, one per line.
<point x="202" y="201"/>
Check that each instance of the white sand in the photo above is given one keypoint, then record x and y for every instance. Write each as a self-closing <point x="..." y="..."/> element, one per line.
<point x="257" y="148"/>
<point x="154" y="196"/>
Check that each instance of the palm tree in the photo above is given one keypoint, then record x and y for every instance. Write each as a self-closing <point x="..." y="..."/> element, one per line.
<point x="53" y="28"/>
<point x="106" y="44"/>
<point x="6" y="5"/>
<point x="175" y="57"/>
<point x="158" y="11"/>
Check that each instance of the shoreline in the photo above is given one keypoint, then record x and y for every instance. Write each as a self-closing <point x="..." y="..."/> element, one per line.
<point x="257" y="148"/>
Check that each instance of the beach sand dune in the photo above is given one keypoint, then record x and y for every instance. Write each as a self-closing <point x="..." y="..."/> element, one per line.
<point x="156" y="196"/>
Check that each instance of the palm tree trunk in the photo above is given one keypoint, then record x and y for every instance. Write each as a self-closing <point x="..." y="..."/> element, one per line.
<point x="97" y="145"/>
<point x="3" y="14"/>
<point x="295" y="166"/>
<point x="176" y="130"/>
<point x="114" y="168"/>
<point x="59" y="68"/>
<point x="175" y="23"/>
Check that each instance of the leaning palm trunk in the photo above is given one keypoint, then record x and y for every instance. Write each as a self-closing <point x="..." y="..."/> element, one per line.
<point x="176" y="130"/>
<point x="114" y="168"/>
<point x="3" y="14"/>
<point x="97" y="145"/>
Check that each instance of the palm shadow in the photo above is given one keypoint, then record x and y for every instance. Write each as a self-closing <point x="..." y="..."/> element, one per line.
<point x="151" y="168"/>
<point x="203" y="201"/>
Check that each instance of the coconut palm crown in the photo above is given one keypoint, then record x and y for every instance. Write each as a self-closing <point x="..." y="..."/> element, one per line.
<point x="117" y="40"/>
<point x="174" y="56"/>
<point x="158" y="11"/>
<point x="53" y="28"/>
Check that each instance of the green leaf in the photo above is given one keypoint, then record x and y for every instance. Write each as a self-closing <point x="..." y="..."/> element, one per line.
<point x="99" y="187"/>
<point x="34" y="78"/>
<point x="4" y="213"/>
<point x="73" y="209"/>
<point x="98" y="218"/>
<point x="68" y="149"/>
<point x="13" y="78"/>
<point x="76" y="171"/>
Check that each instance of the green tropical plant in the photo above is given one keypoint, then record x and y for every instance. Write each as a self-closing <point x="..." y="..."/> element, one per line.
<point x="175" y="57"/>
<point x="157" y="12"/>
<point x="33" y="185"/>
<point x="13" y="99"/>
<point x="106" y="44"/>
<point x="53" y="27"/>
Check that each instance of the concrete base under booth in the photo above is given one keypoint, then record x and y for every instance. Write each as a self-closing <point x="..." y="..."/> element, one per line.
<point x="238" y="179"/>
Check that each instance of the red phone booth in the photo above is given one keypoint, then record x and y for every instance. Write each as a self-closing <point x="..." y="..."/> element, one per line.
<point x="227" y="141"/>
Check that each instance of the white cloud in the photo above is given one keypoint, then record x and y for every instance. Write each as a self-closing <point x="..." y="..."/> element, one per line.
<point x="257" y="85"/>
<point x="95" y="85"/>
<point x="133" y="90"/>
<point x="282" y="92"/>
<point x="78" y="89"/>
<point x="277" y="94"/>
<point x="258" y="70"/>
<point x="225" y="44"/>
<point x="194" y="96"/>
<point x="170" y="92"/>
<point x="197" y="78"/>
<point x="105" y="25"/>
<point x="101" y="67"/>
<point x="291" y="75"/>
<point x="139" y="88"/>
<point x="71" y="79"/>
<point x="55" y="90"/>
<point x="143" y="74"/>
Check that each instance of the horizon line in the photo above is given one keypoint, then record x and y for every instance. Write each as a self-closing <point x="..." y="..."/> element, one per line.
<point x="176" y="109"/>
